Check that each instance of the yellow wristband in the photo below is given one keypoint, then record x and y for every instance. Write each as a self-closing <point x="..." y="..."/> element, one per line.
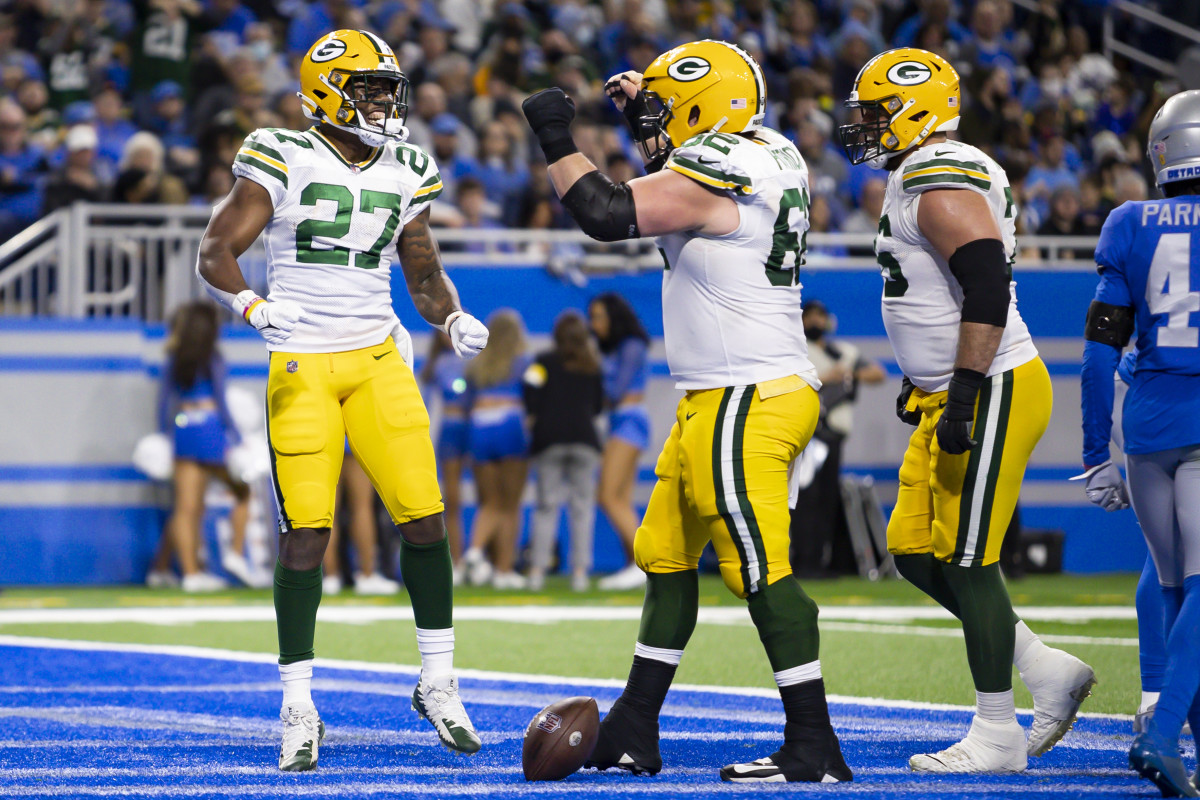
<point x="250" y="308"/>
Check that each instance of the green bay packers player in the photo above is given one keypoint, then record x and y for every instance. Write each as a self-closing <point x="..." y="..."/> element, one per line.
<point x="728" y="201"/>
<point x="337" y="205"/>
<point x="975" y="388"/>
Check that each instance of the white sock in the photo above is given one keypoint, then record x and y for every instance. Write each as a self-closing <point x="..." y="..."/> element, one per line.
<point x="805" y="672"/>
<point x="996" y="706"/>
<point x="437" y="652"/>
<point x="1028" y="648"/>
<point x="1148" y="699"/>
<point x="297" y="682"/>
<point x="663" y="654"/>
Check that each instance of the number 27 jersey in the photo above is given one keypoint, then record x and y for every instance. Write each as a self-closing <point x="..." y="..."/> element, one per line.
<point x="331" y="240"/>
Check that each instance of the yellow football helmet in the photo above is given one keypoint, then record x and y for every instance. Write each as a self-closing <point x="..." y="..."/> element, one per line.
<point x="345" y="68"/>
<point x="699" y="87"/>
<point x="905" y="95"/>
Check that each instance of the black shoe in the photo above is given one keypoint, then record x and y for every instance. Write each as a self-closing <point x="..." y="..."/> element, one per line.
<point x="628" y="740"/>
<point x="818" y="761"/>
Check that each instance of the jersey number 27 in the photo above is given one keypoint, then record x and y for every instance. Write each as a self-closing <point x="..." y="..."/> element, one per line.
<point x="337" y="228"/>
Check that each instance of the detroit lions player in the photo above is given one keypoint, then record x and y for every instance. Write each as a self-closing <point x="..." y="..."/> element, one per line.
<point x="337" y="205"/>
<point x="1149" y="261"/>
<point x="728" y="201"/>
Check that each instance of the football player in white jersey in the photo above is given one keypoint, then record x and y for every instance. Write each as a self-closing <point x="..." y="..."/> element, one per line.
<point x="337" y="205"/>
<point x="975" y="388"/>
<point x="728" y="201"/>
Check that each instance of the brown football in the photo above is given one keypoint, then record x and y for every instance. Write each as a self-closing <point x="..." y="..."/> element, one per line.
<point x="560" y="738"/>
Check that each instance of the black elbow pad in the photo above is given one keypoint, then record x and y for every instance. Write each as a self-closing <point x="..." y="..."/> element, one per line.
<point x="603" y="209"/>
<point x="981" y="268"/>
<point x="1109" y="324"/>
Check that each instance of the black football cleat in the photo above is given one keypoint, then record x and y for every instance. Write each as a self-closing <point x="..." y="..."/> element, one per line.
<point x="795" y="762"/>
<point x="627" y="740"/>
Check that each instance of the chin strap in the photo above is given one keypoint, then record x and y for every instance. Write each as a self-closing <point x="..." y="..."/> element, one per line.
<point x="393" y="130"/>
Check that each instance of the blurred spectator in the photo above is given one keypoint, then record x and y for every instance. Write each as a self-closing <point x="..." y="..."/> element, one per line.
<point x="1117" y="113"/>
<point x="22" y="172"/>
<point x="564" y="395"/>
<point x="1049" y="173"/>
<point x="218" y="181"/>
<point x="192" y="409"/>
<point x="499" y="451"/>
<point x="142" y="178"/>
<point x="41" y="121"/>
<point x="162" y="43"/>
<point x="112" y="129"/>
<point x="820" y="220"/>
<point x="355" y="498"/>
<point x="827" y="165"/>
<point x="983" y="120"/>
<point x="1129" y="186"/>
<point x="452" y="164"/>
<point x="1064" y="220"/>
<point x="478" y="211"/>
<point x="820" y="547"/>
<point x="228" y="21"/>
<point x="986" y="46"/>
<point x="76" y="179"/>
<point x="75" y="48"/>
<point x="803" y="43"/>
<point x="168" y="119"/>
<point x="501" y="171"/>
<point x="865" y="218"/>
<point x="624" y="344"/>
<point x="930" y="12"/>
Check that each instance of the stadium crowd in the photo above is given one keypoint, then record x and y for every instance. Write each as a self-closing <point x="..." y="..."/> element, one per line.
<point x="147" y="101"/>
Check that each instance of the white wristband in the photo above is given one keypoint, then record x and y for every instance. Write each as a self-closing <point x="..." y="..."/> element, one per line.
<point x="450" y="320"/>
<point x="244" y="301"/>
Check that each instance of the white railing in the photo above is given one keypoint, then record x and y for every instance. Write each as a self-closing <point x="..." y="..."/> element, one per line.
<point x="1131" y="9"/>
<point x="138" y="261"/>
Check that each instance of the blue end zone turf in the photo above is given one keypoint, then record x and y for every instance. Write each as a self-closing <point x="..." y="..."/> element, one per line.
<point x="114" y="721"/>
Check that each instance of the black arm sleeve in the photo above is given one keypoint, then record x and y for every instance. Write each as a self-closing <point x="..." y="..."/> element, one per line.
<point x="1109" y="324"/>
<point x="981" y="268"/>
<point x="603" y="209"/>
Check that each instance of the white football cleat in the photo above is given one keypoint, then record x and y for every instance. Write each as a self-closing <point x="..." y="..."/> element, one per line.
<point x="988" y="748"/>
<point x="303" y="732"/>
<point x="201" y="582"/>
<point x="631" y="577"/>
<point x="438" y="702"/>
<point x="1059" y="686"/>
<point x="374" y="584"/>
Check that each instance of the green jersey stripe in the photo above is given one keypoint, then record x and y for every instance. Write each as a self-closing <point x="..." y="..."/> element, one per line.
<point x="424" y="198"/>
<point x="696" y="166"/>
<point x="266" y="151"/>
<point x="436" y="179"/>
<point x="265" y="168"/>
<point x="947" y="177"/>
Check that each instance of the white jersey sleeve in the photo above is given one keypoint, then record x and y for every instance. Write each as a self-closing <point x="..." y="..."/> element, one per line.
<point x="262" y="159"/>
<point x="716" y="160"/>
<point x="431" y="184"/>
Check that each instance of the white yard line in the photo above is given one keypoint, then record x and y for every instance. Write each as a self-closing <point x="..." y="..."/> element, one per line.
<point x="525" y="614"/>
<point x="489" y="675"/>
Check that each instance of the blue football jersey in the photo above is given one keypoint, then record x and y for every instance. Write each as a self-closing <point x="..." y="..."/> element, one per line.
<point x="1149" y="260"/>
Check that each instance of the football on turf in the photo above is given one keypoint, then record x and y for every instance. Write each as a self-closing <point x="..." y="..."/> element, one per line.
<point x="560" y="738"/>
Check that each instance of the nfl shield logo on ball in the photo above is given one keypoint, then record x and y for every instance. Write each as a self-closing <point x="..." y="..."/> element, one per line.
<point x="292" y="366"/>
<point x="550" y="722"/>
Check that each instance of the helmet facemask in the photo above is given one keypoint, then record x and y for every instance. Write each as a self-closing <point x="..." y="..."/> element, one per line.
<point x="871" y="140"/>
<point x="379" y="94"/>
<point x="652" y="127"/>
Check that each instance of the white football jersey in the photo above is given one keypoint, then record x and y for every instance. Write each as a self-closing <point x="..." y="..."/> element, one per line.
<point x="731" y="304"/>
<point x="922" y="300"/>
<point x="332" y="239"/>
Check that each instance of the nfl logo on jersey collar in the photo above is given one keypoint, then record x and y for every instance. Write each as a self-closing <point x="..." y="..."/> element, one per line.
<point x="292" y="366"/>
<point x="355" y="168"/>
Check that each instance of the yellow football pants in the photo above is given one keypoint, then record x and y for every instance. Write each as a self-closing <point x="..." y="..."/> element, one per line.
<point x="318" y="401"/>
<point x="958" y="507"/>
<point x="723" y="475"/>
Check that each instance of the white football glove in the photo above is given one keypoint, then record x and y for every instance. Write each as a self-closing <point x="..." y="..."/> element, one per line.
<point x="403" y="340"/>
<point x="274" y="321"/>
<point x="468" y="335"/>
<point x="1105" y="487"/>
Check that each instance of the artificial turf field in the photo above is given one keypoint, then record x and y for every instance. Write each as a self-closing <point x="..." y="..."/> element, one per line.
<point x="133" y="692"/>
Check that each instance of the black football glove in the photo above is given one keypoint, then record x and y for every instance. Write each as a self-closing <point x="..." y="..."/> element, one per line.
<point x="550" y="113"/>
<point x="903" y="412"/>
<point x="958" y="417"/>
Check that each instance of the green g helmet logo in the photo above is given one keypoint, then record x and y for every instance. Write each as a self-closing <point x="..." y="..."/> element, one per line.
<point x="690" y="68"/>
<point x="909" y="73"/>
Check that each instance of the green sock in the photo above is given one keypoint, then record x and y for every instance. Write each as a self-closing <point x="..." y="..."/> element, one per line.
<point x="786" y="619"/>
<point x="428" y="575"/>
<point x="987" y="620"/>
<point x="924" y="571"/>
<point x="669" y="611"/>
<point x="297" y="595"/>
